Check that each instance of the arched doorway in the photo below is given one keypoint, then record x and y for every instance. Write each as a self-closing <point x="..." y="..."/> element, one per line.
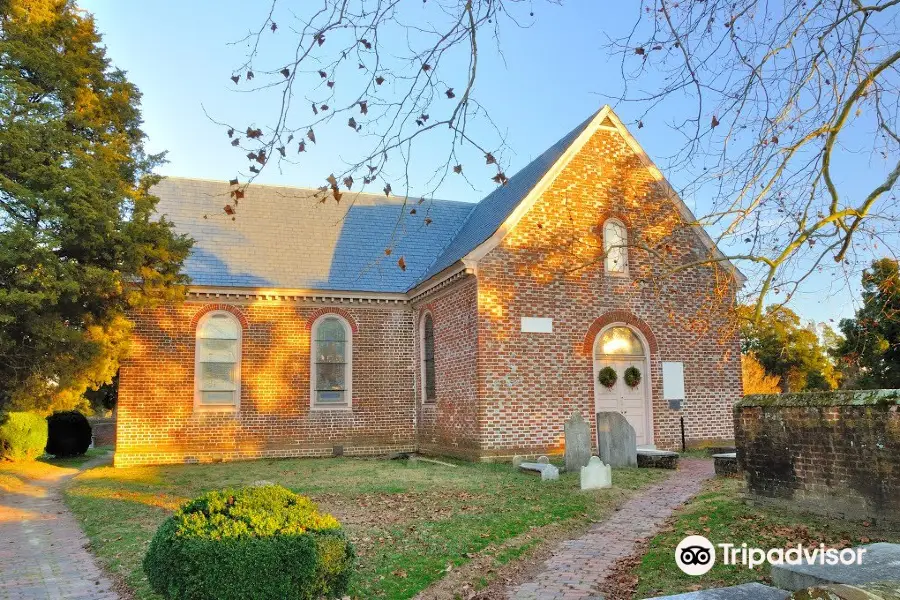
<point x="620" y="348"/>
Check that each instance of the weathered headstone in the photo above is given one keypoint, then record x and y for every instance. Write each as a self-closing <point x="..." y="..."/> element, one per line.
<point x="518" y="460"/>
<point x="879" y="563"/>
<point x="596" y="475"/>
<point x="543" y="460"/>
<point x="578" y="442"/>
<point x="617" y="441"/>
<point x="548" y="472"/>
<point x="747" y="591"/>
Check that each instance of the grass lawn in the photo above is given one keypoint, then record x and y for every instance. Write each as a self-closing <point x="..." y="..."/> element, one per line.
<point x="411" y="522"/>
<point x="719" y="514"/>
<point x="75" y="462"/>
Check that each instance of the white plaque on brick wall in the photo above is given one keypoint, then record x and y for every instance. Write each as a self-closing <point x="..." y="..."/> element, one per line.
<point x="673" y="380"/>
<point x="537" y="325"/>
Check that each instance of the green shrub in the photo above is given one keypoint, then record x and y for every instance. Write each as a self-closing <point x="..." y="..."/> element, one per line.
<point x="23" y="435"/>
<point x="258" y="542"/>
<point x="68" y="434"/>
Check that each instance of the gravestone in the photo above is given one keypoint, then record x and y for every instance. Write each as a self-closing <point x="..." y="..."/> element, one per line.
<point x="518" y="460"/>
<point x="578" y="442"/>
<point x="880" y="562"/>
<point x="548" y="472"/>
<point x="650" y="458"/>
<point x="596" y="475"/>
<point x="747" y="591"/>
<point x="617" y="441"/>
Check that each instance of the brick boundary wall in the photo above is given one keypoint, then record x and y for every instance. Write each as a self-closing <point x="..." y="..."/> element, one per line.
<point x="103" y="430"/>
<point x="833" y="453"/>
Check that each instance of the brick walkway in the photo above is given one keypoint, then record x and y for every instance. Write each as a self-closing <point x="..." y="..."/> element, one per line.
<point x="578" y="567"/>
<point x="42" y="548"/>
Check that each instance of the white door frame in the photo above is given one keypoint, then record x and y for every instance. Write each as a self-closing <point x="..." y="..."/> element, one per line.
<point x="645" y="379"/>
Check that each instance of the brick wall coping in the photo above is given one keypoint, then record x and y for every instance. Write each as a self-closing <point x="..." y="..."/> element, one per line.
<point x="836" y="398"/>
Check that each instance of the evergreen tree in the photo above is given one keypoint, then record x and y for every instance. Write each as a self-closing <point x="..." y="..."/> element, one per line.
<point x="78" y="244"/>
<point x="870" y="352"/>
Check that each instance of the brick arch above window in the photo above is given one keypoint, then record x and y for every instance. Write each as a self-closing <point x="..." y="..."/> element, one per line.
<point x="208" y="308"/>
<point x="618" y="316"/>
<point x="332" y="311"/>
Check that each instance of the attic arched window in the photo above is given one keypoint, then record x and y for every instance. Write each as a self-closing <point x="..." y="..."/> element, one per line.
<point x="428" y="373"/>
<point x="331" y="370"/>
<point x="615" y="246"/>
<point x="217" y="369"/>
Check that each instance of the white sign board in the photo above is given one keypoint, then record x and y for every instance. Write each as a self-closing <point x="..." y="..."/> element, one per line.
<point x="673" y="380"/>
<point x="537" y="325"/>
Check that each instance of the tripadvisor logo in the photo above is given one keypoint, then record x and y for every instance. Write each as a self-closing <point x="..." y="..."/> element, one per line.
<point x="696" y="555"/>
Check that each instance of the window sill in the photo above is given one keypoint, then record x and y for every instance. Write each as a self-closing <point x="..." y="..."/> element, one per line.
<point x="326" y="409"/>
<point x="618" y="274"/>
<point x="216" y="408"/>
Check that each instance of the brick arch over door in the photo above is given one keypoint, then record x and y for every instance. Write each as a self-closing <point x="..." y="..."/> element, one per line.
<point x="618" y="316"/>
<point x="208" y="308"/>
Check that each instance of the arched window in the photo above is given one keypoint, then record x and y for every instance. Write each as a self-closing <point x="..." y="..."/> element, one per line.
<point x="615" y="245"/>
<point x="217" y="370"/>
<point x="428" y="358"/>
<point x="331" y="363"/>
<point x="619" y="341"/>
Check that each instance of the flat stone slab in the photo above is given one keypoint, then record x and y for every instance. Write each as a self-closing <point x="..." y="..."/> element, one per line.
<point x="656" y="459"/>
<point x="726" y="464"/>
<point x="881" y="562"/>
<point x="747" y="591"/>
<point x="882" y="590"/>
<point x="548" y="472"/>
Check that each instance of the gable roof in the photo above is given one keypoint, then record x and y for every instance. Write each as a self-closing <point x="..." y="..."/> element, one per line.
<point x="283" y="238"/>
<point x="490" y="213"/>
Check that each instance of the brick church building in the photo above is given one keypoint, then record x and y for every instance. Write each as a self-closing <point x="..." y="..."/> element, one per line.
<point x="571" y="288"/>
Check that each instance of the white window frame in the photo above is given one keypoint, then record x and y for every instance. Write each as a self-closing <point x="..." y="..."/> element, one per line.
<point x="424" y="391"/>
<point x="607" y="263"/>
<point x="199" y="405"/>
<point x="348" y="366"/>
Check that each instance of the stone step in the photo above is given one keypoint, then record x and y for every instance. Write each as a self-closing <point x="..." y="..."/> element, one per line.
<point x="747" y="591"/>
<point x="656" y="459"/>
<point x="881" y="562"/>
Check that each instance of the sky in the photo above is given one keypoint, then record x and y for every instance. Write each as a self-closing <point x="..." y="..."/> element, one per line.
<point x="551" y="77"/>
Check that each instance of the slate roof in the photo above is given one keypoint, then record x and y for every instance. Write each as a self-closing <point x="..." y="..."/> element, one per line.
<point x="284" y="238"/>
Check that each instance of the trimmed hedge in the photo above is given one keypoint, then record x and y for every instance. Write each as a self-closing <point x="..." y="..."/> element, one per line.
<point x="68" y="434"/>
<point x="23" y="435"/>
<point x="250" y="543"/>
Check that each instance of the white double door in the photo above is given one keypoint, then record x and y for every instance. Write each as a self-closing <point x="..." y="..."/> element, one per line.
<point x="622" y="398"/>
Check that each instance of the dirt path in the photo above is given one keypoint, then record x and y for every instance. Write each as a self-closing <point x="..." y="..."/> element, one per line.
<point x="42" y="547"/>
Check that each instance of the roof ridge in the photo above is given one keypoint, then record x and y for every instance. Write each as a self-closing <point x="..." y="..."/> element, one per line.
<point x="571" y="136"/>
<point x="309" y="189"/>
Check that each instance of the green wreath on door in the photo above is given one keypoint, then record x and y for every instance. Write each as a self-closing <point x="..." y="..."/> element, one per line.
<point x="632" y="377"/>
<point x="607" y="377"/>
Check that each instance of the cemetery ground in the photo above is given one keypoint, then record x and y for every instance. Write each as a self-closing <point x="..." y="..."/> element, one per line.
<point x="413" y="523"/>
<point x="720" y="514"/>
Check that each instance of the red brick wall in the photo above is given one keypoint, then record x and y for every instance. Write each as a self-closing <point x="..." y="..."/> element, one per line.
<point x="551" y="265"/>
<point x="157" y="422"/>
<point x="450" y="425"/>
<point x="836" y="453"/>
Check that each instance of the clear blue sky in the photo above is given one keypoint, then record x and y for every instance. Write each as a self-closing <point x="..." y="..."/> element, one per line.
<point x="554" y="76"/>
